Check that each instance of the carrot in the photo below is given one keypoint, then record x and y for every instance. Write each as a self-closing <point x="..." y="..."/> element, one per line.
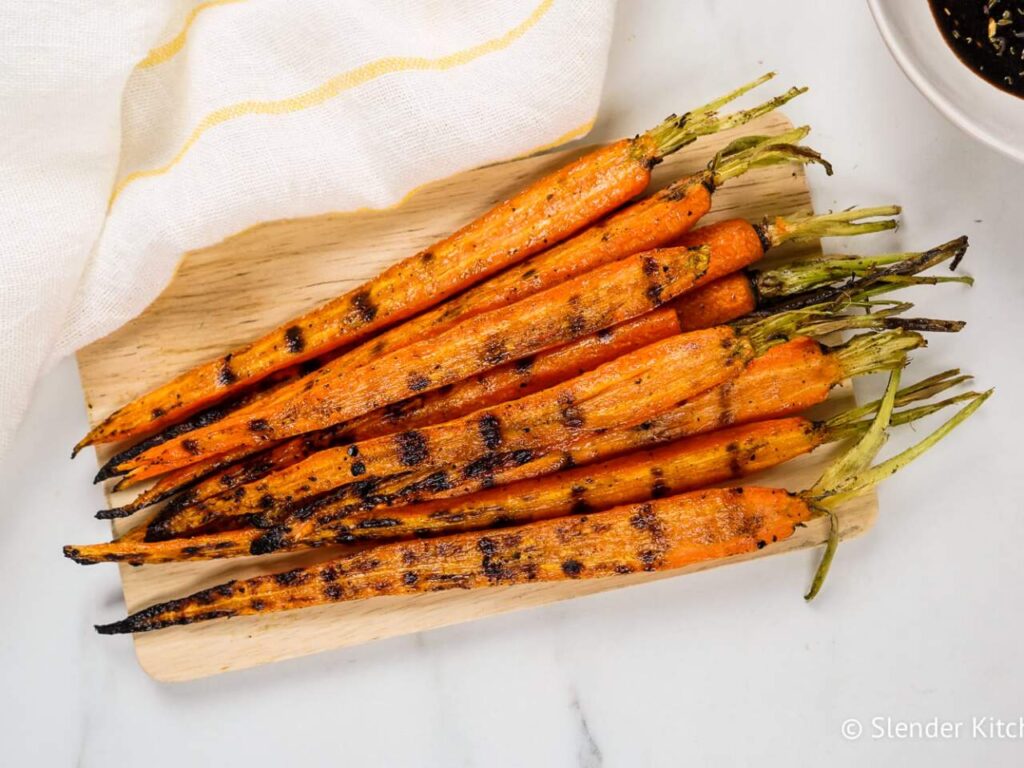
<point x="626" y="391"/>
<point x="505" y="382"/>
<point x="718" y="302"/>
<point x="782" y="382"/>
<point x="689" y="463"/>
<point x="593" y="301"/>
<point x="587" y="303"/>
<point x="547" y="211"/>
<point x="659" y="535"/>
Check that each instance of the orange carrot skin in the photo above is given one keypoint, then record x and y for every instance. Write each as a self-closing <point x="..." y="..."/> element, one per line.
<point x="687" y="464"/>
<point x="625" y="391"/>
<point x="784" y="381"/>
<point x="643" y="226"/>
<point x="133" y="549"/>
<point x="507" y="382"/>
<point x="660" y="535"/>
<point x="647" y="224"/>
<point x="694" y="462"/>
<point x="546" y="212"/>
<point x="735" y="243"/>
<point x="717" y="303"/>
<point x="595" y="300"/>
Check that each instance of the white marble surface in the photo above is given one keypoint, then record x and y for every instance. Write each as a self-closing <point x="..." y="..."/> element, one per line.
<point x="921" y="619"/>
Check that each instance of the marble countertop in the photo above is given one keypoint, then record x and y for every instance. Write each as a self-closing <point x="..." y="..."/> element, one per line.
<point x="920" y="619"/>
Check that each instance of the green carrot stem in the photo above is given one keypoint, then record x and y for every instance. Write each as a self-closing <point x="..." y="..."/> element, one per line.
<point x="796" y="285"/>
<point x="760" y="151"/>
<point x="842" y="224"/>
<point x="899" y="418"/>
<point x="869" y="478"/>
<point x="831" y="547"/>
<point x="851" y="475"/>
<point x="676" y="132"/>
<point x="820" y="320"/>
<point x="922" y="390"/>
<point x="847" y="466"/>
<point x="876" y="352"/>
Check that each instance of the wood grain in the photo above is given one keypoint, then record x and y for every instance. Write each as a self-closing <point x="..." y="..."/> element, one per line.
<point x="228" y="293"/>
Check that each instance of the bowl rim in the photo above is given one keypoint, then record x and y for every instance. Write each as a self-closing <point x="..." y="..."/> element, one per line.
<point x="952" y="113"/>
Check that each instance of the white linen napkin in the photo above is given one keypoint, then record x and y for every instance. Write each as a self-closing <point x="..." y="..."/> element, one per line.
<point x="135" y="132"/>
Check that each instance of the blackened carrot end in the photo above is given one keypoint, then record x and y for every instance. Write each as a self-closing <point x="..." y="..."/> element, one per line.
<point x="114" y="513"/>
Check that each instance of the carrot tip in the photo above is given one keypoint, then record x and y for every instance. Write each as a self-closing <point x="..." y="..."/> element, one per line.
<point x="106" y="472"/>
<point x="122" y="627"/>
<point x="114" y="513"/>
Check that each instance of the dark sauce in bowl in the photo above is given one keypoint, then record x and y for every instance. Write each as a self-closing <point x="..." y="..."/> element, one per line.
<point x="987" y="36"/>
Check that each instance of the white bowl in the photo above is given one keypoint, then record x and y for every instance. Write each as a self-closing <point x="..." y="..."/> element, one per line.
<point x="978" y="108"/>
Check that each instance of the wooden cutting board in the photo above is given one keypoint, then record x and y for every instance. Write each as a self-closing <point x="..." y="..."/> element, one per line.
<point x="228" y="293"/>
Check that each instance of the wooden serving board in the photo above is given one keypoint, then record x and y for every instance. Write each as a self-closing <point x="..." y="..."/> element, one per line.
<point x="228" y="293"/>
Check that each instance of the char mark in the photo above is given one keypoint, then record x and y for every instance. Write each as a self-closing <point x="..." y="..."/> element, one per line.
<point x="417" y="382"/>
<point x="412" y="448"/>
<point x="294" y="341"/>
<point x="490" y="431"/>
<point x="495" y="351"/>
<point x="363" y="304"/>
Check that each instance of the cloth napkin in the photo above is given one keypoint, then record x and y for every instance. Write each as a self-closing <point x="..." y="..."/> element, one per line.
<point x="133" y="132"/>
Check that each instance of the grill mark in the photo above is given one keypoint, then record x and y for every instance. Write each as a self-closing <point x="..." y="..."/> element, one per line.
<point x="646" y="520"/>
<point x="659" y="488"/>
<point x="579" y="506"/>
<point x="294" y="341"/>
<point x="572" y="568"/>
<point x="732" y="450"/>
<point x="417" y="382"/>
<point x="490" y="431"/>
<point x="412" y="448"/>
<point x="577" y="325"/>
<point x="725" y="412"/>
<point x="225" y="376"/>
<point x="365" y="308"/>
<point x="572" y="415"/>
<point x="524" y="365"/>
<point x="495" y="352"/>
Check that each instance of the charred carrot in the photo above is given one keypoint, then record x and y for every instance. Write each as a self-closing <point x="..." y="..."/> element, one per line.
<point x="668" y="533"/>
<point x="585" y="304"/>
<point x="628" y="390"/>
<point x="690" y="463"/>
<point x="782" y="382"/>
<point x="546" y="212"/>
<point x="718" y="302"/>
<point x="659" y="535"/>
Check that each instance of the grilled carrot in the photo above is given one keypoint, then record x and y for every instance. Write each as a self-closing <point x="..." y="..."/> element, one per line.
<point x="718" y="302"/>
<point x="668" y="533"/>
<point x="782" y="382"/>
<point x="547" y="211"/>
<point x="626" y="391"/>
<point x="659" y="535"/>
<point x="687" y="464"/>
<point x="505" y="382"/>
<point x="592" y="301"/>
